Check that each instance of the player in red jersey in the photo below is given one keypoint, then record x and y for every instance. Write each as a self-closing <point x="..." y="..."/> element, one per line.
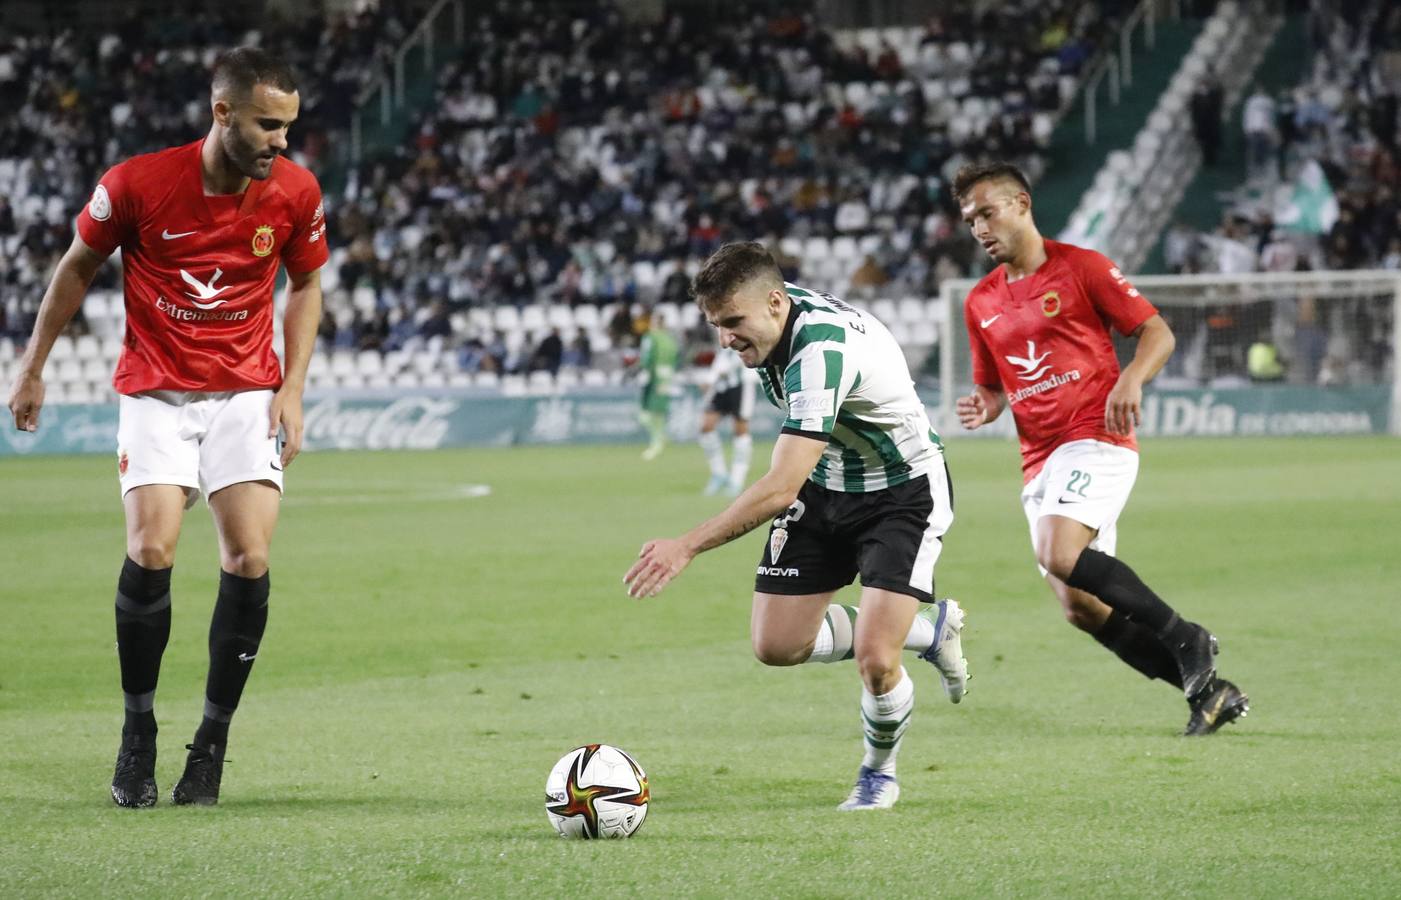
<point x="1039" y="326"/>
<point x="203" y="229"/>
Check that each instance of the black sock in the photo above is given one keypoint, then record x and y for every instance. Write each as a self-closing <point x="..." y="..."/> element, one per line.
<point x="1139" y="647"/>
<point x="1116" y="584"/>
<point x="143" y="628"/>
<point x="240" y="615"/>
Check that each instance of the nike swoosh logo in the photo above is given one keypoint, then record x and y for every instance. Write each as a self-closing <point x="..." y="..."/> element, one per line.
<point x="170" y="237"/>
<point x="987" y="322"/>
<point x="1067" y="502"/>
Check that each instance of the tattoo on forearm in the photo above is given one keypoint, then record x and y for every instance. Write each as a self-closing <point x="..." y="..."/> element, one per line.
<point x="739" y="531"/>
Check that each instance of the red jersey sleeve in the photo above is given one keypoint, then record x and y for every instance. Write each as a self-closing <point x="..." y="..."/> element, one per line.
<point x="1118" y="301"/>
<point x="307" y="249"/>
<point x="111" y="213"/>
<point x="984" y="366"/>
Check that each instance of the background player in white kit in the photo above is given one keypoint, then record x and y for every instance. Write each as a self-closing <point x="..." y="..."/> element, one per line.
<point x="729" y="394"/>
<point x="857" y="486"/>
<point x="203" y="230"/>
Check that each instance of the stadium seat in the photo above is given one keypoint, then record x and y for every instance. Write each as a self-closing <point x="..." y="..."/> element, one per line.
<point x="369" y="362"/>
<point x="62" y="349"/>
<point x="533" y="318"/>
<point x="586" y="316"/>
<point x="912" y="309"/>
<point x="486" y="380"/>
<point x="95" y="369"/>
<point x="507" y="317"/>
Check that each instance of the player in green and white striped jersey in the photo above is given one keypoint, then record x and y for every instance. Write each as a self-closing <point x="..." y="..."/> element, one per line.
<point x="856" y="486"/>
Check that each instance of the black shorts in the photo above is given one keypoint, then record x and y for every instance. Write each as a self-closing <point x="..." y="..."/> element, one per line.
<point x="737" y="401"/>
<point x="891" y="538"/>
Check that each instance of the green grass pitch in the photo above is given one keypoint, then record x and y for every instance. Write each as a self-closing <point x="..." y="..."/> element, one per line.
<point x="432" y="651"/>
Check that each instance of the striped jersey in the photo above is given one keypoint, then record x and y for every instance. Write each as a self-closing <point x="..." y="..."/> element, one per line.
<point x="839" y="374"/>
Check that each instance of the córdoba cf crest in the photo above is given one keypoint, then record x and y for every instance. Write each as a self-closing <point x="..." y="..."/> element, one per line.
<point x="777" y="539"/>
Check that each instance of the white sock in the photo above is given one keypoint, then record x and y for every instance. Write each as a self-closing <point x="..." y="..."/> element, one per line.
<point x="835" y="636"/>
<point x="884" y="719"/>
<point x="743" y="450"/>
<point x="921" y="636"/>
<point x="714" y="453"/>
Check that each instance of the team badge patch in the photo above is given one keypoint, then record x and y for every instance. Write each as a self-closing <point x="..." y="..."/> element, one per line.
<point x="100" y="206"/>
<point x="777" y="539"/>
<point x="121" y="462"/>
<point x="1050" y="304"/>
<point x="263" y="240"/>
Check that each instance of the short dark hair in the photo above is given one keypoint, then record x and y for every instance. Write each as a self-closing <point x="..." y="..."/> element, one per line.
<point x="239" y="70"/>
<point x="973" y="173"/>
<point x="729" y="268"/>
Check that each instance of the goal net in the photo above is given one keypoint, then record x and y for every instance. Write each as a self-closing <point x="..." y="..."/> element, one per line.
<point x="1267" y="353"/>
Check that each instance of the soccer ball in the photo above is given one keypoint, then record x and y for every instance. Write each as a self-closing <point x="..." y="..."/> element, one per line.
<point x="597" y="791"/>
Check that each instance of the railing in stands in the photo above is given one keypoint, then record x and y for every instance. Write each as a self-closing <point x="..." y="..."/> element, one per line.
<point x="391" y="89"/>
<point x="1118" y="67"/>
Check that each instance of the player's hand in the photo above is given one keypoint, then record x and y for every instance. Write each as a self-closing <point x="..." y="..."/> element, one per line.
<point x="1122" y="409"/>
<point x="26" y="398"/>
<point x="657" y="563"/>
<point x="972" y="411"/>
<point x="286" y="413"/>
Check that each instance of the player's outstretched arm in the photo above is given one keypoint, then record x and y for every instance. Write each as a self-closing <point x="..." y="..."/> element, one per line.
<point x="663" y="559"/>
<point x="61" y="302"/>
<point x="980" y="407"/>
<point x="1155" y="345"/>
<point x="299" y="325"/>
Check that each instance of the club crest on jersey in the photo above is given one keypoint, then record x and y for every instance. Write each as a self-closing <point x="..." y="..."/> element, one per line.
<point x="1050" y="304"/>
<point x="777" y="540"/>
<point x="100" y="206"/>
<point x="263" y="240"/>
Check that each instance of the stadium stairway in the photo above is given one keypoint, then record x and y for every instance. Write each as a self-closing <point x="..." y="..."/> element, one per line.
<point x="1071" y="163"/>
<point x="1209" y="194"/>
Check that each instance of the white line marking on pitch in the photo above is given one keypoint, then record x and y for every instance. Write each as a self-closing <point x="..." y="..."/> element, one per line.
<point x="455" y="492"/>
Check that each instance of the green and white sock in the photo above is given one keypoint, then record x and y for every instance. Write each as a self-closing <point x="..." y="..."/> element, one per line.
<point x="884" y="719"/>
<point x="836" y="635"/>
<point x="921" y="636"/>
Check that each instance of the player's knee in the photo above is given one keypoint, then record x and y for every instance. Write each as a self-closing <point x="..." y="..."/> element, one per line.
<point x="779" y="653"/>
<point x="151" y="554"/>
<point x="878" y="668"/>
<point x="1082" y="616"/>
<point x="1059" y="561"/>
<point x="246" y="563"/>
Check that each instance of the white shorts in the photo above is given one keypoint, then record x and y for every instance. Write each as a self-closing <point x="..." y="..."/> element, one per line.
<point x="201" y="442"/>
<point x="1088" y="481"/>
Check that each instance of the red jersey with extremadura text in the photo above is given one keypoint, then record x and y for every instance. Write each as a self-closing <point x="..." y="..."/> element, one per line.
<point x="198" y="271"/>
<point x="1044" y="339"/>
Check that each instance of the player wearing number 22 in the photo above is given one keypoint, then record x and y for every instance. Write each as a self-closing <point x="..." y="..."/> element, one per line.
<point x="203" y="230"/>
<point x="1038" y="326"/>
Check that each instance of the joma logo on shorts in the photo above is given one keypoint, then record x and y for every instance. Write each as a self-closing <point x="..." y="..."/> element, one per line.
<point x="778" y="571"/>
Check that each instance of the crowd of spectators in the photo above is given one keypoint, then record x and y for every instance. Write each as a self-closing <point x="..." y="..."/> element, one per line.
<point x="566" y="147"/>
<point x="571" y="154"/>
<point x="1322" y="184"/>
<point x="1321" y="190"/>
<point x="77" y="99"/>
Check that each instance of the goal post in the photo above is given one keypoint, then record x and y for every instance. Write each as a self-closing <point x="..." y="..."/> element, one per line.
<point x="1266" y="353"/>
